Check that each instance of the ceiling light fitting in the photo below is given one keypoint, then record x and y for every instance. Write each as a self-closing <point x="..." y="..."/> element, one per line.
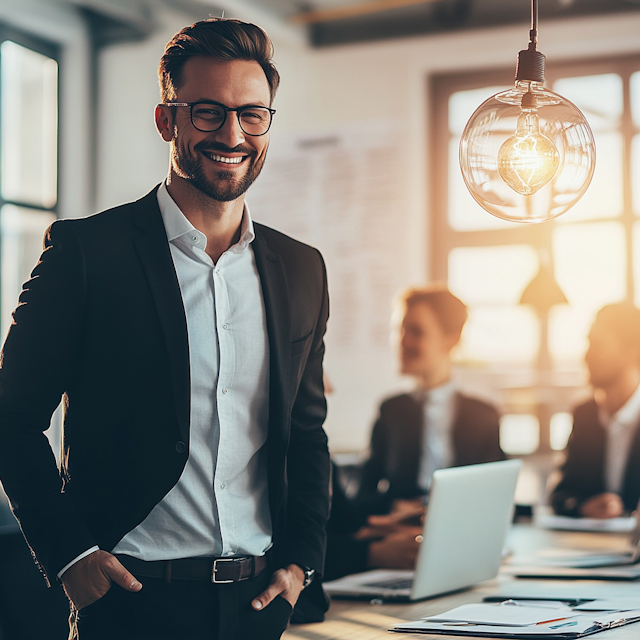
<point x="527" y="154"/>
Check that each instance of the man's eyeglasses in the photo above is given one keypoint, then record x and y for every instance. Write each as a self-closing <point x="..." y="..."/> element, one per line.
<point x="211" y="116"/>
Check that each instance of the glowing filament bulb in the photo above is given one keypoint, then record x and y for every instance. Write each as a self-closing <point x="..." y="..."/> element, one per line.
<point x="528" y="159"/>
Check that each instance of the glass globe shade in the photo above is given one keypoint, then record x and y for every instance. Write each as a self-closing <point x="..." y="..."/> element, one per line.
<point x="527" y="154"/>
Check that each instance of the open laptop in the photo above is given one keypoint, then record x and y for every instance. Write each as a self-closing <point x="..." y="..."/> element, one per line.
<point x="590" y="565"/>
<point x="604" y="558"/>
<point x="469" y="514"/>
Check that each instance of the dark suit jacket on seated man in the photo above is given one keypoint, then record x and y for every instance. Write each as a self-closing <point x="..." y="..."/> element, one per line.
<point x="601" y="475"/>
<point x="416" y="433"/>
<point x="187" y="345"/>
<point x="405" y="451"/>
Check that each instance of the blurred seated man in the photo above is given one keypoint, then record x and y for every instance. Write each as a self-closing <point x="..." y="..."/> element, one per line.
<point x="601" y="475"/>
<point x="433" y="427"/>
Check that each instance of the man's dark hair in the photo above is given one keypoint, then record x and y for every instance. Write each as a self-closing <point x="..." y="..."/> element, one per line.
<point x="623" y="320"/>
<point x="216" y="38"/>
<point x="450" y="312"/>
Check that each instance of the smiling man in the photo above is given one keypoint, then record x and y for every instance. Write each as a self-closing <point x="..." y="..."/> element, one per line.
<point x="186" y="342"/>
<point x="435" y="426"/>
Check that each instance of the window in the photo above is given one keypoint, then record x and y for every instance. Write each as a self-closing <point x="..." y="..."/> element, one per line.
<point x="28" y="159"/>
<point x="535" y="363"/>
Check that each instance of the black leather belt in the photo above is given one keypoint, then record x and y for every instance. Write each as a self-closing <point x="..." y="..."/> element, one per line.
<point x="217" y="570"/>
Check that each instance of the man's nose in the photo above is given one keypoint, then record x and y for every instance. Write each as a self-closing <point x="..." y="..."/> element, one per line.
<point x="230" y="133"/>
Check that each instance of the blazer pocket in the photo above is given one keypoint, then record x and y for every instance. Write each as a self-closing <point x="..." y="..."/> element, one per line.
<point x="299" y="345"/>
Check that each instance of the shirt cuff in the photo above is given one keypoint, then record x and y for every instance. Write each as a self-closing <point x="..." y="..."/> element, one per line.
<point x="82" y="555"/>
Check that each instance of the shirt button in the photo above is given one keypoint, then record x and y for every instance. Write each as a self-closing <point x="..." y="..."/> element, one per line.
<point x="181" y="447"/>
<point x="223" y="485"/>
<point x="224" y="390"/>
<point x="195" y="239"/>
<point x="217" y="271"/>
<point x="225" y="326"/>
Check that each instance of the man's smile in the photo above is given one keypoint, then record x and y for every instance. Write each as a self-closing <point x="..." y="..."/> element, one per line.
<point x="224" y="159"/>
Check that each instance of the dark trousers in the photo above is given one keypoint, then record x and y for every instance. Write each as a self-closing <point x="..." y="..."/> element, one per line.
<point x="183" y="610"/>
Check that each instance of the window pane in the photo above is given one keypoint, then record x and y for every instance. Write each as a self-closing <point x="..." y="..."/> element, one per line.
<point x="598" y="97"/>
<point x="590" y="263"/>
<point x="561" y="426"/>
<point x="635" y="173"/>
<point x="29" y="125"/>
<point x="519" y="433"/>
<point x="22" y="231"/>
<point x="481" y="275"/>
<point x="568" y="330"/>
<point x="590" y="267"/>
<point x="636" y="262"/>
<point x="635" y="97"/>
<point x="603" y="198"/>
<point x="500" y="334"/>
<point x="462" y="105"/>
<point x="464" y="213"/>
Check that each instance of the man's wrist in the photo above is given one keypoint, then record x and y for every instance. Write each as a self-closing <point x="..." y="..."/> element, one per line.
<point x="309" y="574"/>
<point x="77" y="559"/>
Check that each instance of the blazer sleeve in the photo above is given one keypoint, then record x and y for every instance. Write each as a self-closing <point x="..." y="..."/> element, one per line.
<point x="308" y="465"/>
<point x="36" y="367"/>
<point x="582" y="471"/>
<point x="492" y="449"/>
<point x="369" y="499"/>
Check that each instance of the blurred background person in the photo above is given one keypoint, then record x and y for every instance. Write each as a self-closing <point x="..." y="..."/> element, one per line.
<point x="432" y="427"/>
<point x="601" y="475"/>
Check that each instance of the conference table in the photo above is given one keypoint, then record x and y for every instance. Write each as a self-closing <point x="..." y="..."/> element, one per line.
<point x="360" y="620"/>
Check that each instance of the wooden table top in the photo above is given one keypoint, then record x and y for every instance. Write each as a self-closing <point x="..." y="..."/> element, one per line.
<point x="358" y="620"/>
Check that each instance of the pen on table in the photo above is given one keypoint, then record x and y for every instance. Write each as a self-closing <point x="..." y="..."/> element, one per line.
<point x="518" y="603"/>
<point x="550" y="621"/>
<point x="564" y="624"/>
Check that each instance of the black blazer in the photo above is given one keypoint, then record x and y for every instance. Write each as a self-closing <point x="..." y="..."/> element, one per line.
<point x="583" y="470"/>
<point x="101" y="324"/>
<point x="396" y="446"/>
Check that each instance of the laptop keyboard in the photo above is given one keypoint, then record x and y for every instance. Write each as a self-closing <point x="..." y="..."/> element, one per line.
<point x="396" y="583"/>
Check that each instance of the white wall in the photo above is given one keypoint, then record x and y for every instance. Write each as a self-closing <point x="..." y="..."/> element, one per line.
<point x="335" y="86"/>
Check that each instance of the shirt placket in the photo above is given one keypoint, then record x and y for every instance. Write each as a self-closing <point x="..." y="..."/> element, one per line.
<point x="225" y="393"/>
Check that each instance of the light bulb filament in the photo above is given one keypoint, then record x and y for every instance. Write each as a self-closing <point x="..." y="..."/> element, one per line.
<point x="528" y="160"/>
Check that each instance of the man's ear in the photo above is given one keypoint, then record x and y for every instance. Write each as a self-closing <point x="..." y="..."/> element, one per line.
<point x="452" y="340"/>
<point x="164" y="122"/>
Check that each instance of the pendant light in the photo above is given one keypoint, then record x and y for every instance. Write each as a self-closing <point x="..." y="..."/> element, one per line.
<point x="527" y="154"/>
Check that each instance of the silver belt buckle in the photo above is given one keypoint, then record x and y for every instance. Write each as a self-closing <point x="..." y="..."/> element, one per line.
<point x="215" y="569"/>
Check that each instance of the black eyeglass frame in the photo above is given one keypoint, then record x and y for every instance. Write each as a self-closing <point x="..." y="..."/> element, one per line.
<point x="226" y="113"/>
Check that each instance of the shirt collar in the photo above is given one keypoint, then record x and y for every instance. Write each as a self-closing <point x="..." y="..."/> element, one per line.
<point x="440" y="394"/>
<point x="628" y="415"/>
<point x="177" y="225"/>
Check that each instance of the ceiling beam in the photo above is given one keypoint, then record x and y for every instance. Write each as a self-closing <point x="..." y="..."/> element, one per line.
<point x="353" y="10"/>
<point x="252" y="11"/>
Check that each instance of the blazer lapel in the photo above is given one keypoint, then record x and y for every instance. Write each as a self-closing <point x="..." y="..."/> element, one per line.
<point x="277" y="306"/>
<point x="153" y="249"/>
<point x="631" y="481"/>
<point x="413" y="427"/>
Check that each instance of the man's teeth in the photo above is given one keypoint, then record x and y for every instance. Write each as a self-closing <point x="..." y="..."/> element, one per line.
<point x="237" y="160"/>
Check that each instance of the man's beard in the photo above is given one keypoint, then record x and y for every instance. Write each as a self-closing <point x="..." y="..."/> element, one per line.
<point x="224" y="186"/>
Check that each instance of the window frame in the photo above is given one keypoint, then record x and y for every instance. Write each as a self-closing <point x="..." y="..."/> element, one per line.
<point x="53" y="51"/>
<point x="530" y="396"/>
<point x="443" y="237"/>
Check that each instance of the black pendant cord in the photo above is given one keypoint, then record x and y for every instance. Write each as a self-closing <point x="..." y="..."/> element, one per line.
<point x="533" y="34"/>
<point x="530" y="61"/>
